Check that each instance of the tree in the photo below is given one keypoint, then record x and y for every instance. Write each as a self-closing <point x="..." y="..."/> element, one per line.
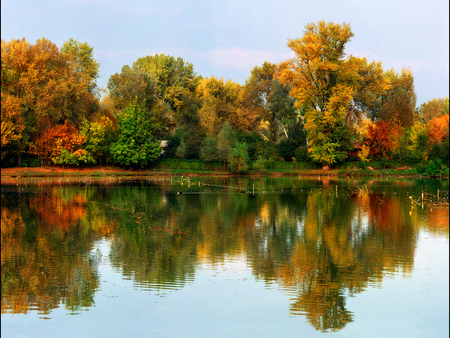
<point x="398" y="105"/>
<point x="433" y="108"/>
<point x="130" y="85"/>
<point x="270" y="99"/>
<point x="61" y="144"/>
<point x="222" y="101"/>
<point x="225" y="142"/>
<point x="369" y="82"/>
<point x="316" y="82"/>
<point x="208" y="151"/>
<point x="420" y="145"/>
<point x="136" y="144"/>
<point x="238" y="158"/>
<point x="98" y="137"/>
<point x="44" y="86"/>
<point x="175" y="79"/>
<point x="378" y="140"/>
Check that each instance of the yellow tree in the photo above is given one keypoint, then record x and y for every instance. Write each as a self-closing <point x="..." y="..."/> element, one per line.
<point x="220" y="102"/>
<point x="331" y="88"/>
<point x="316" y="82"/>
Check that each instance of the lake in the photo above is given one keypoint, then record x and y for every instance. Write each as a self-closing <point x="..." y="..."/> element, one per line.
<point x="225" y="257"/>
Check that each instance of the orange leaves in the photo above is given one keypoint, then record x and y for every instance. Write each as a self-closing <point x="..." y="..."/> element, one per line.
<point x="379" y="140"/>
<point x="438" y="129"/>
<point x="49" y="145"/>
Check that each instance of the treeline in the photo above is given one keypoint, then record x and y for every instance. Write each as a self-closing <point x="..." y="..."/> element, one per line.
<point x="321" y="106"/>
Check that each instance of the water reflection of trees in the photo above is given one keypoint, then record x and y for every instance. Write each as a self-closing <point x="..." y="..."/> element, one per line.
<point x="45" y="260"/>
<point x="318" y="243"/>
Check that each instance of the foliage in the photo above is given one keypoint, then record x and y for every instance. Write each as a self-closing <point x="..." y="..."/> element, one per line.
<point x="378" y="140"/>
<point x="286" y="148"/>
<point x="322" y="83"/>
<point x="99" y="136"/>
<point x="260" y="163"/>
<point x="181" y="150"/>
<point x="136" y="144"/>
<point x="432" y="168"/>
<point x="44" y="86"/>
<point x="399" y="103"/>
<point x="225" y="142"/>
<point x="221" y="101"/>
<point x="419" y="144"/>
<point x="438" y="129"/>
<point x="363" y="155"/>
<point x="434" y="108"/>
<point x="54" y="140"/>
<point x="238" y="158"/>
<point x="208" y="151"/>
<point x="269" y="98"/>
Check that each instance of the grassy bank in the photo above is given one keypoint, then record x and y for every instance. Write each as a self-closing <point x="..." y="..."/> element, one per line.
<point x="170" y="167"/>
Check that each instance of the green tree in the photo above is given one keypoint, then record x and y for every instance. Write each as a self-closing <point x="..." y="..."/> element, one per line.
<point x="225" y="142"/>
<point x="208" y="151"/>
<point x="270" y="99"/>
<point x="175" y="79"/>
<point x="238" y="158"/>
<point x="136" y="144"/>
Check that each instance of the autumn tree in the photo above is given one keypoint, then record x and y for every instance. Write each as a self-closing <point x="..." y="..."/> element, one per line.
<point x="398" y="105"/>
<point x="433" y="109"/>
<point x="61" y="144"/>
<point x="222" y="101"/>
<point x="45" y="86"/>
<point x="175" y="80"/>
<point x="314" y="76"/>
<point x="369" y="83"/>
<point x="378" y="140"/>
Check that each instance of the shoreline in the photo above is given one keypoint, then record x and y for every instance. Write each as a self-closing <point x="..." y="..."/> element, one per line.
<point x="111" y="172"/>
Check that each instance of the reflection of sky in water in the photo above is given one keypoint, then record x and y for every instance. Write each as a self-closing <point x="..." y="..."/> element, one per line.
<point x="227" y="293"/>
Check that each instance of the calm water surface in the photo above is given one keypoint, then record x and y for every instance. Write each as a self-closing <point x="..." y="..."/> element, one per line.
<point x="210" y="257"/>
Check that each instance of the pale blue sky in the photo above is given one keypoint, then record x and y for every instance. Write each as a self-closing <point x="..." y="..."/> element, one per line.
<point x="228" y="38"/>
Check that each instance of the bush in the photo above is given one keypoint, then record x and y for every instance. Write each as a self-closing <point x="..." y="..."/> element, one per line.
<point x="260" y="163"/>
<point x="432" y="168"/>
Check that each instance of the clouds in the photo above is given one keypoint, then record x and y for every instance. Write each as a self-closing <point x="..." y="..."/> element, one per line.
<point x="237" y="58"/>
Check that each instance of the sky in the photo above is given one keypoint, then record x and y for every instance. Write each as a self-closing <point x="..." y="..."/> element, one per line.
<point x="228" y="38"/>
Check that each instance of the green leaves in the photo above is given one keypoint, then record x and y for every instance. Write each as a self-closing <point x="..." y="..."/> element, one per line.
<point x="136" y="144"/>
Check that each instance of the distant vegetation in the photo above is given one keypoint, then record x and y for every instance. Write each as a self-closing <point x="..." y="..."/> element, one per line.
<point x="322" y="106"/>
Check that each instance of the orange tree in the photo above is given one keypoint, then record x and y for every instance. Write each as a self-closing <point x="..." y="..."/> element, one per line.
<point x="378" y="140"/>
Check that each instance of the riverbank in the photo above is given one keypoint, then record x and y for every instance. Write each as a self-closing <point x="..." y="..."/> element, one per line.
<point x="24" y="172"/>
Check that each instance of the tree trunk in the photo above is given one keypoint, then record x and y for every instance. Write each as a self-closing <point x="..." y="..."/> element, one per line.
<point x="19" y="158"/>
<point x="326" y="167"/>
